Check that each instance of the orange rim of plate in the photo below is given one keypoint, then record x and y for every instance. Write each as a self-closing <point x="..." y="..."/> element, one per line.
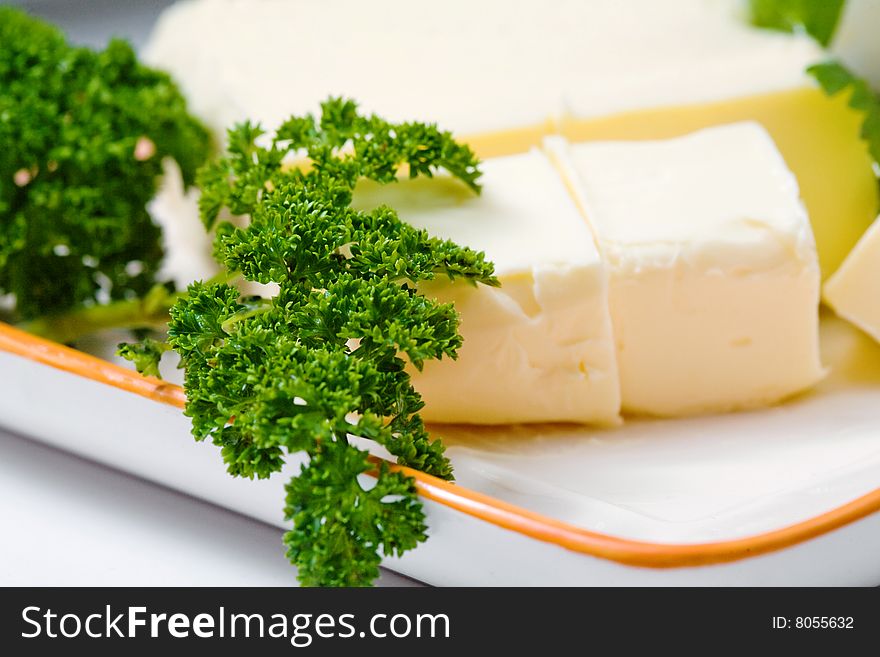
<point x="487" y="508"/>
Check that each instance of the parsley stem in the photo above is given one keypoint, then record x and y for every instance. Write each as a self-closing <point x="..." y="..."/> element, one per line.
<point x="147" y="312"/>
<point x="263" y="307"/>
<point x="127" y="314"/>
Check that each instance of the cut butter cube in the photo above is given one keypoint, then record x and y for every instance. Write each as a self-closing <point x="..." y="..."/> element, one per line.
<point x="854" y="289"/>
<point x="714" y="276"/>
<point x="539" y="348"/>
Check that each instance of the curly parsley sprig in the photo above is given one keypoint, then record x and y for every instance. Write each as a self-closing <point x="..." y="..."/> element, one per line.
<point x="835" y="78"/>
<point x="82" y="139"/>
<point x="325" y="358"/>
<point x="820" y="19"/>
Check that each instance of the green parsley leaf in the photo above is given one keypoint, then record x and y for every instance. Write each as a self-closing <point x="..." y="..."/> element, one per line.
<point x="835" y="78"/>
<point x="145" y="355"/>
<point x="82" y="139"/>
<point x="818" y="18"/>
<point x="325" y="358"/>
<point x="340" y="530"/>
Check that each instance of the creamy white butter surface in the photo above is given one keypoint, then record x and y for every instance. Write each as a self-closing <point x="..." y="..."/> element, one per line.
<point x="714" y="277"/>
<point x="470" y="66"/>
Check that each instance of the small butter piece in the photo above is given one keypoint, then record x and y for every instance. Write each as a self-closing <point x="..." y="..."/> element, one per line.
<point x="854" y="289"/>
<point x="540" y="348"/>
<point x="714" y="276"/>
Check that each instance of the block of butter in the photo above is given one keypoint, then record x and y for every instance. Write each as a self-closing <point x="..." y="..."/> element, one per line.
<point x="854" y="289"/>
<point x="714" y="277"/>
<point x="504" y="74"/>
<point x="473" y="67"/>
<point x="539" y="348"/>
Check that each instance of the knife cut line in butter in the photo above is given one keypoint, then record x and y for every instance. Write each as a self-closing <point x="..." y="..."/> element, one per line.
<point x="539" y="348"/>
<point x="714" y="280"/>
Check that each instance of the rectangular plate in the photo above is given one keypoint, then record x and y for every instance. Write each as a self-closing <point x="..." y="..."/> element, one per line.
<point x="785" y="495"/>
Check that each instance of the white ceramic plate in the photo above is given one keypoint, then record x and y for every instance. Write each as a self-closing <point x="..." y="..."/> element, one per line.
<point x="787" y="495"/>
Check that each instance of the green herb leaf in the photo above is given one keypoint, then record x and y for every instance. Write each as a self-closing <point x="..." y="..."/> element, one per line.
<point x="818" y="18"/>
<point x="340" y="530"/>
<point x="82" y="139"/>
<point x="145" y="355"/>
<point x="325" y="358"/>
<point x="835" y="78"/>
